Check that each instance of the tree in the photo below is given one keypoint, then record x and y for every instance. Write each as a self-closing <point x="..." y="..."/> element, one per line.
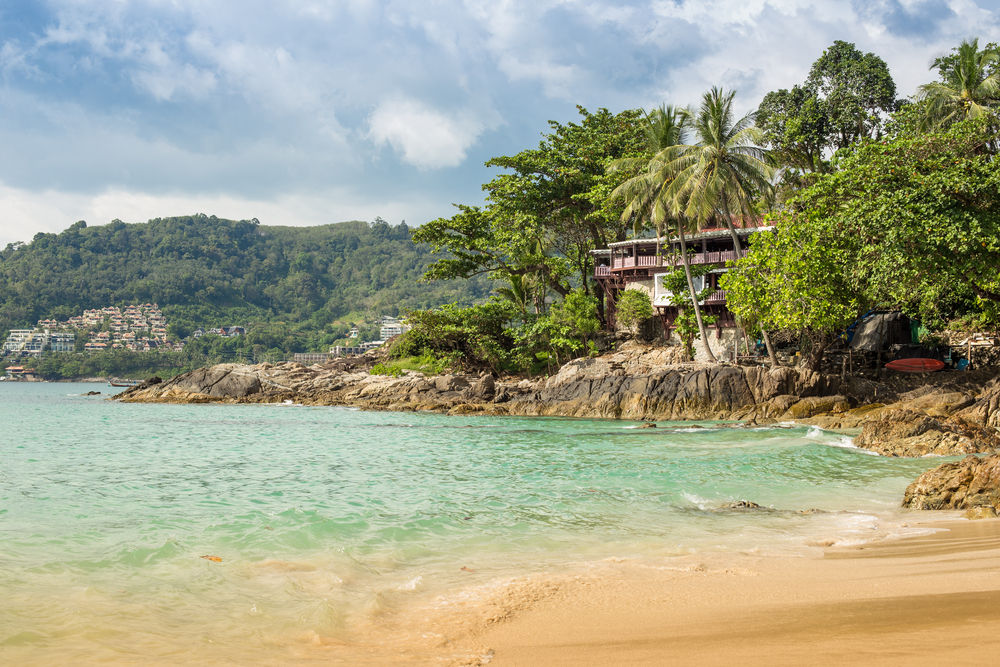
<point x="857" y="90"/>
<point x="796" y="127"/>
<point x="520" y="291"/>
<point x="578" y="310"/>
<point x="647" y="194"/>
<point x="480" y="241"/>
<point x="477" y="335"/>
<point x="545" y="216"/>
<point x="726" y="171"/>
<point x="917" y="214"/>
<point x="634" y="308"/>
<point x="794" y="279"/>
<point x="969" y="85"/>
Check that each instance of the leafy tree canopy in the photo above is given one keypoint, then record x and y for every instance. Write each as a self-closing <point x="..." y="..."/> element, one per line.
<point x="847" y="97"/>
<point x="858" y="92"/>
<point x="208" y="271"/>
<point x="919" y="214"/>
<point x="548" y="211"/>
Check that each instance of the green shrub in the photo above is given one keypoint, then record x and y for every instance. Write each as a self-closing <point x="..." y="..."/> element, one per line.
<point x="387" y="369"/>
<point x="634" y="307"/>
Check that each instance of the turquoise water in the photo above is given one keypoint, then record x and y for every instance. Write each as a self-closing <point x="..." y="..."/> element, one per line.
<point x="330" y="522"/>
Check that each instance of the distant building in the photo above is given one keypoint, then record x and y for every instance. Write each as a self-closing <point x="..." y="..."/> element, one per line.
<point x="342" y="351"/>
<point x="62" y="342"/>
<point x="29" y="342"/>
<point x="392" y="326"/>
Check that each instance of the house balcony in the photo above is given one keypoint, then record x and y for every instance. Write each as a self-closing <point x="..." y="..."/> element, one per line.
<point x="659" y="261"/>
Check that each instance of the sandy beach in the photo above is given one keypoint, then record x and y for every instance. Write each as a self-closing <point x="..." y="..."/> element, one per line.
<point x="927" y="600"/>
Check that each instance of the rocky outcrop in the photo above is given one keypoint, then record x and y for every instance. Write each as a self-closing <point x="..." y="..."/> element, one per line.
<point x="970" y="484"/>
<point x="952" y="418"/>
<point x="905" y="432"/>
<point x="586" y="388"/>
<point x="985" y="410"/>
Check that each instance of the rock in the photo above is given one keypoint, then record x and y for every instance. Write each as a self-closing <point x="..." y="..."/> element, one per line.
<point x="484" y="390"/>
<point x="224" y="380"/>
<point x="450" y="383"/>
<point x="939" y="404"/>
<point x="913" y="434"/>
<point x="92" y="393"/>
<point x="777" y="406"/>
<point x="743" y="505"/>
<point x="986" y="410"/>
<point x="966" y="484"/>
<point x="980" y="512"/>
<point x="647" y="425"/>
<point x="815" y="405"/>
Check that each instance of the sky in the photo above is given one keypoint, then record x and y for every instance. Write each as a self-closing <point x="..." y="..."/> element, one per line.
<point x="305" y="112"/>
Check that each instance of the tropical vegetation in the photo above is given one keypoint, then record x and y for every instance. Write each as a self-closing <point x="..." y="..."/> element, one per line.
<point x="875" y="201"/>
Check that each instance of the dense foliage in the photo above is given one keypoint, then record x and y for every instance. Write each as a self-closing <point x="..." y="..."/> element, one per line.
<point x="206" y="271"/>
<point x="544" y="216"/>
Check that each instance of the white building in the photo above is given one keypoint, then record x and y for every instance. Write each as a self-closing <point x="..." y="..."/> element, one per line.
<point x="33" y="342"/>
<point x="392" y="326"/>
<point x="62" y="341"/>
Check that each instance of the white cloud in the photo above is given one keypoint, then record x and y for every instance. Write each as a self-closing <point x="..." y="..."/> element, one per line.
<point x="28" y="212"/>
<point x="426" y="138"/>
<point x="262" y="102"/>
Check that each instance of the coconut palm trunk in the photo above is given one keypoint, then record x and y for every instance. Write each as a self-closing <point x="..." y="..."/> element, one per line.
<point x="703" y="335"/>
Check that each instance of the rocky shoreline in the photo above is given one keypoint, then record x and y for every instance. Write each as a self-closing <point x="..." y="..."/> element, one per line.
<point x="933" y="415"/>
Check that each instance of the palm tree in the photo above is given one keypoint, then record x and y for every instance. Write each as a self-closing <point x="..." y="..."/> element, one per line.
<point x="645" y="193"/>
<point x="966" y="89"/>
<point x="724" y="172"/>
<point x="520" y="292"/>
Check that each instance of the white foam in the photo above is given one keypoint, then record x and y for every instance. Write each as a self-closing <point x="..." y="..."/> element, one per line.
<point x="410" y="585"/>
<point x="702" y="503"/>
<point x="847" y="442"/>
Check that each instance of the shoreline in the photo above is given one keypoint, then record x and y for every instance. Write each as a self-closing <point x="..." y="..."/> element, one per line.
<point x="905" y="601"/>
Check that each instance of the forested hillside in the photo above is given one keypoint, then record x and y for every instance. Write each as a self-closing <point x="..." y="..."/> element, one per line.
<point x="204" y="270"/>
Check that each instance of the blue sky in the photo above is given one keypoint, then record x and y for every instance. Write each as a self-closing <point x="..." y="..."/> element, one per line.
<point x="304" y="112"/>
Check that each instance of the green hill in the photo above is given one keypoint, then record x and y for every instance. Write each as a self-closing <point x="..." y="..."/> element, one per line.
<point x="204" y="270"/>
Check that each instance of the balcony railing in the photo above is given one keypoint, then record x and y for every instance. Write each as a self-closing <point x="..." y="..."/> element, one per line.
<point x="653" y="261"/>
<point x="718" y="296"/>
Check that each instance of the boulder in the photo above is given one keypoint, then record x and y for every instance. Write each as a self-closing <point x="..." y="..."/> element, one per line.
<point x="913" y="434"/>
<point x="986" y="409"/>
<point x="972" y="482"/>
<point x="484" y="390"/>
<point x="815" y="405"/>
<point x="450" y="383"/>
<point x="221" y="381"/>
<point x="980" y="512"/>
<point x="777" y="406"/>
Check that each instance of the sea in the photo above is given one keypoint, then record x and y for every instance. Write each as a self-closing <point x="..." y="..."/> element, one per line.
<point x="284" y="535"/>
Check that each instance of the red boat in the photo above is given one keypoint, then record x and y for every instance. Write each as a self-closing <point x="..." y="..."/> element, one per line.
<point x="915" y="365"/>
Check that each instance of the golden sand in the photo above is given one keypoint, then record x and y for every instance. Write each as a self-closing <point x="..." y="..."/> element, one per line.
<point x="931" y="600"/>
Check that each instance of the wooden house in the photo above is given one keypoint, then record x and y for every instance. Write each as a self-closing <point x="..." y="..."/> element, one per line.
<point x="640" y="263"/>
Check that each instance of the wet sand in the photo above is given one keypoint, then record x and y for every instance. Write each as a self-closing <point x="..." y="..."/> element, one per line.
<point x="928" y="600"/>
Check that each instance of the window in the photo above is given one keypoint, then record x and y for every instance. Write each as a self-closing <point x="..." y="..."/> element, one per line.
<point x="661" y="297"/>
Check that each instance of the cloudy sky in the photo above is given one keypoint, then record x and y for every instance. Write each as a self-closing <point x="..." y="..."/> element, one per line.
<point x="305" y="112"/>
